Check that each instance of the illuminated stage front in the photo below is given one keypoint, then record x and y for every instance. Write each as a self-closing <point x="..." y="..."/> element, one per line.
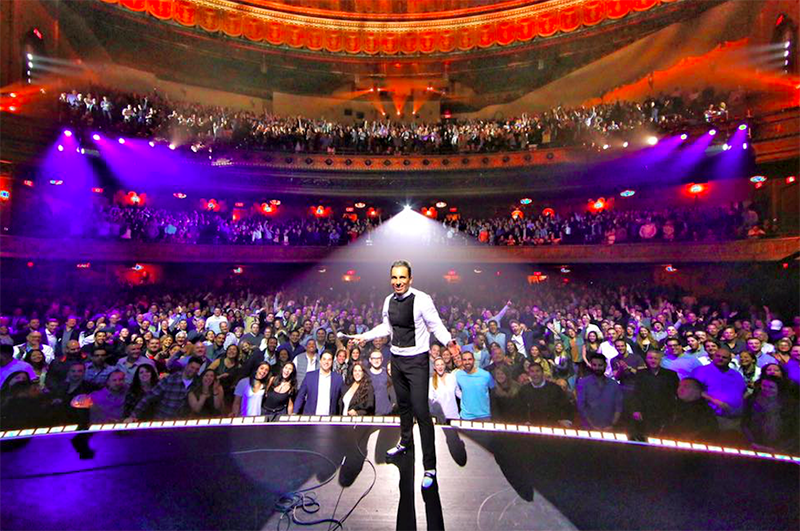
<point x="245" y="475"/>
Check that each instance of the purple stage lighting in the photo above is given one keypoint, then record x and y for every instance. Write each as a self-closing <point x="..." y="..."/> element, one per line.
<point x="67" y="132"/>
<point x="172" y="146"/>
<point x="152" y="144"/>
<point x="712" y="132"/>
<point x="725" y="146"/>
<point x="95" y="137"/>
<point x="684" y="136"/>
<point x="742" y="127"/>
<point x="744" y="145"/>
<point x="121" y="141"/>
<point x="60" y="147"/>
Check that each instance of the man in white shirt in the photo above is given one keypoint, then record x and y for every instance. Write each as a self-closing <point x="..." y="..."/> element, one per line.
<point x="212" y="323"/>
<point x="409" y="317"/>
<point x="34" y="342"/>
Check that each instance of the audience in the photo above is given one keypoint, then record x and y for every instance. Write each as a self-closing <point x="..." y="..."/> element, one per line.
<point x="706" y="394"/>
<point x="219" y="129"/>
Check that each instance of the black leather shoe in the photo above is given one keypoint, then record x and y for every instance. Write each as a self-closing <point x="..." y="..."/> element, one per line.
<point x="397" y="450"/>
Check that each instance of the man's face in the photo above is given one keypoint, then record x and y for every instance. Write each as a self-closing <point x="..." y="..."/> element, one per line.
<point x="728" y="334"/>
<point x="294" y="336"/>
<point x="688" y="391"/>
<point x="515" y="328"/>
<point x="701" y="336"/>
<point x="467" y="361"/>
<point x="673" y="347"/>
<point x="400" y="279"/>
<point x="711" y="348"/>
<point x="598" y="366"/>
<point x="114" y="319"/>
<point x="190" y="371"/>
<point x="200" y="349"/>
<point x="153" y="345"/>
<point x="223" y="327"/>
<point x="621" y="347"/>
<point x="754" y="345"/>
<point x="321" y="336"/>
<point x="722" y="358"/>
<point x="34" y="324"/>
<point x="326" y="362"/>
<point x="254" y="329"/>
<point x="72" y="348"/>
<point x="653" y="359"/>
<point x="307" y="325"/>
<point x="76" y="372"/>
<point x="219" y="340"/>
<point x="218" y="312"/>
<point x="493" y="327"/>
<point x="115" y="382"/>
<point x="795" y="353"/>
<point x="536" y="374"/>
<point x="35" y="338"/>
<point x="693" y="343"/>
<point x="272" y="344"/>
<point x="311" y="347"/>
<point x="376" y="360"/>
<point x="99" y="338"/>
<point x="134" y="351"/>
<point x="51" y="326"/>
<point x="712" y="330"/>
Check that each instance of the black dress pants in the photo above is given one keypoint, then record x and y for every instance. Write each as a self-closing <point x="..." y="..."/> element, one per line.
<point x="410" y="378"/>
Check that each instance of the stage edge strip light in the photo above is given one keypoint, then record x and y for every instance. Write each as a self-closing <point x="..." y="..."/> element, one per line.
<point x="394" y="421"/>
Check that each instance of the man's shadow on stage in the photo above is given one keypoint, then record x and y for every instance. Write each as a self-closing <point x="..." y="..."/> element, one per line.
<point x="406" y="508"/>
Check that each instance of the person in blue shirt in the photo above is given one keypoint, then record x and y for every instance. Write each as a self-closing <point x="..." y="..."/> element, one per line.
<point x="473" y="387"/>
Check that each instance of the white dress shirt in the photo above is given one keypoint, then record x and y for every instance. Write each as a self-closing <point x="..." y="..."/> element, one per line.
<point x="324" y="394"/>
<point x="426" y="321"/>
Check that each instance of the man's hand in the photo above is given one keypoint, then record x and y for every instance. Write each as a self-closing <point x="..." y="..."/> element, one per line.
<point x="453" y="347"/>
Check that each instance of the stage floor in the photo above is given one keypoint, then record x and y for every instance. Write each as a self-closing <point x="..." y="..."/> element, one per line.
<point x="231" y="477"/>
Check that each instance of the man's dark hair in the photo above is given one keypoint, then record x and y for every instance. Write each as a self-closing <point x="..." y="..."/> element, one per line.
<point x="7" y="350"/>
<point x="597" y="356"/>
<point x="695" y="381"/>
<point x="195" y="359"/>
<point x="401" y="263"/>
<point x="332" y="355"/>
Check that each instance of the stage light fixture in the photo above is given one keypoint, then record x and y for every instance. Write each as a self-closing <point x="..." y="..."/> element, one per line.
<point x="757" y="179"/>
<point x="627" y="193"/>
<point x="172" y="147"/>
<point x="13" y="95"/>
<point x="60" y="147"/>
<point x="787" y="44"/>
<point x="684" y="136"/>
<point x="652" y="140"/>
<point x="742" y="127"/>
<point x="786" y="53"/>
<point x="121" y="140"/>
<point x="712" y="132"/>
<point x="526" y="201"/>
<point x="152" y="144"/>
<point x="441" y="204"/>
<point x="605" y="146"/>
<point x="725" y="146"/>
<point x="407" y="208"/>
<point x="625" y="144"/>
<point x="95" y="137"/>
<point x="30" y="56"/>
<point x="67" y="132"/>
<point x="791" y="179"/>
<point x="744" y="145"/>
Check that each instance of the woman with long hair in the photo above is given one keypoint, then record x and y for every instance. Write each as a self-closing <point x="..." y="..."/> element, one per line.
<point x="40" y="366"/>
<point x="770" y="420"/>
<point x="281" y="391"/>
<point x="340" y="362"/>
<point x="442" y="392"/>
<point x="644" y="342"/>
<point x="506" y="403"/>
<point x="590" y="347"/>
<point x="359" y="399"/>
<point x="747" y="367"/>
<point x="144" y="379"/>
<point x="207" y="399"/>
<point x="355" y="356"/>
<point x="228" y="368"/>
<point x="537" y="357"/>
<point x="249" y="393"/>
<point x="281" y="358"/>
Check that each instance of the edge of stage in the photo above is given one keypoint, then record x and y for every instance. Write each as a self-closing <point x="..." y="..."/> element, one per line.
<point x="236" y="474"/>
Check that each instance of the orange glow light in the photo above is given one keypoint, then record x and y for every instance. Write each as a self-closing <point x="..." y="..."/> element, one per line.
<point x="696" y="188"/>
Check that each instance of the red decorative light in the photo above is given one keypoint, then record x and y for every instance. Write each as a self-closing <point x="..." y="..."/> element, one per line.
<point x="785" y="265"/>
<point x="696" y="188"/>
<point x="349" y="209"/>
<point x="135" y="199"/>
<point x="453" y="209"/>
<point x="759" y="185"/>
<point x="517" y="214"/>
<point x="350" y="272"/>
<point x="791" y="179"/>
<point x="38" y="33"/>
<point x="670" y="269"/>
<point x="28" y="183"/>
<point x="30" y="264"/>
<point x="266" y="208"/>
<point x="97" y="190"/>
<point x="597" y="205"/>
<point x="138" y="267"/>
<point x="360" y="205"/>
<point x="238" y="270"/>
<point x="179" y="195"/>
<point x="84" y="265"/>
<point x="238" y="204"/>
<point x="548" y="212"/>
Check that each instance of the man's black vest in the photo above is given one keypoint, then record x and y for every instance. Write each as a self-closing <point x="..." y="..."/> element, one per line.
<point x="401" y="317"/>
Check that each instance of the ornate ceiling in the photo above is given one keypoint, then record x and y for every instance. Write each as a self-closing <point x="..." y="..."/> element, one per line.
<point x="316" y="47"/>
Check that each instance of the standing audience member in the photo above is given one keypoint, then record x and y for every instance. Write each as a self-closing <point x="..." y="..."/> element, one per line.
<point x="599" y="398"/>
<point x="207" y="399"/>
<point x="545" y="403"/>
<point x="381" y="383"/>
<point x="281" y="393"/>
<point x="359" y="399"/>
<point x="442" y="393"/>
<point x="654" y="396"/>
<point x="248" y="395"/>
<point x="474" y="385"/>
<point x="770" y="418"/>
<point x="168" y="397"/>
<point x="725" y="389"/>
<point x="321" y="390"/>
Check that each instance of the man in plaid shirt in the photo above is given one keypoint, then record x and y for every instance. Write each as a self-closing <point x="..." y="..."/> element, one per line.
<point x="169" y="395"/>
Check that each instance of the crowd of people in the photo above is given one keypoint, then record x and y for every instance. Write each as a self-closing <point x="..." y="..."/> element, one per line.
<point x="611" y="226"/>
<point x="639" y="359"/>
<point x="154" y="116"/>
